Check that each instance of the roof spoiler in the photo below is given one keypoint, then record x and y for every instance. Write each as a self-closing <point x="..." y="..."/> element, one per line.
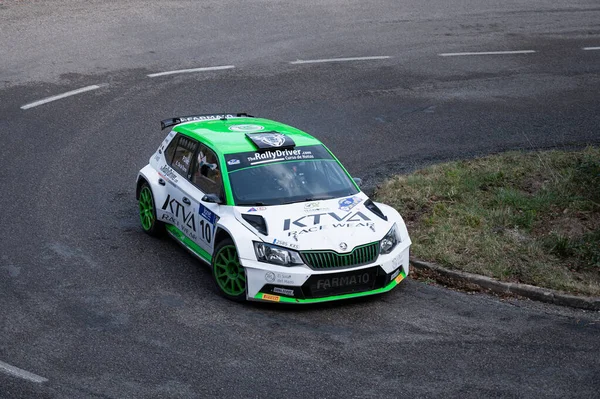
<point x="204" y="117"/>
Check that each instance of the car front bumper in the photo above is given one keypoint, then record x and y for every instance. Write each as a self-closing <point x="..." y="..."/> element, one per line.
<point x="300" y="284"/>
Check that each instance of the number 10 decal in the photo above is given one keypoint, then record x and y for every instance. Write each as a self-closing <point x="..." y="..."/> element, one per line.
<point x="207" y="223"/>
<point x="205" y="231"/>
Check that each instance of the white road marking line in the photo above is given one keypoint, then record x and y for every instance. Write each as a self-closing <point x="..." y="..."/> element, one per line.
<point x="17" y="372"/>
<point x="591" y="48"/>
<point x="487" y="53"/>
<point x="378" y="57"/>
<point x="214" y="68"/>
<point x="60" y="96"/>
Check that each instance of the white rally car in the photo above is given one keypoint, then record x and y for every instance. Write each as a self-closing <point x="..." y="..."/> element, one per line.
<point x="271" y="210"/>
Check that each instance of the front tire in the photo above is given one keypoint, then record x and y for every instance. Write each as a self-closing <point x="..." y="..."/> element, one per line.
<point x="148" y="220"/>
<point x="229" y="274"/>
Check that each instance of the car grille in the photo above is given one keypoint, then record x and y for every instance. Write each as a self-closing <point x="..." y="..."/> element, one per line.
<point x="361" y="255"/>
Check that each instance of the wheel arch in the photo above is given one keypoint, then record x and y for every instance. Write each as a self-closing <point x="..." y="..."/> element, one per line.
<point x="222" y="234"/>
<point x="138" y="187"/>
<point x="243" y="237"/>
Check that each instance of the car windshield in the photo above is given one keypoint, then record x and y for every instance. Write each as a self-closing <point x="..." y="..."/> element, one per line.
<point x="286" y="176"/>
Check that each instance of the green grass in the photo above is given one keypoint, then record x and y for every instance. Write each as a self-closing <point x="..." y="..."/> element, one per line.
<point x="522" y="217"/>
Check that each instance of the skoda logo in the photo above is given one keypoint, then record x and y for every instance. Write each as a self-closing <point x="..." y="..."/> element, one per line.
<point x="343" y="246"/>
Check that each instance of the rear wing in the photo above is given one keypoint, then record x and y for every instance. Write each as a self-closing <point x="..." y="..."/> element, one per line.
<point x="205" y="117"/>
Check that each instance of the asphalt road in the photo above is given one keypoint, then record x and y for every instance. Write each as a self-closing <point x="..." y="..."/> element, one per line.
<point x="99" y="309"/>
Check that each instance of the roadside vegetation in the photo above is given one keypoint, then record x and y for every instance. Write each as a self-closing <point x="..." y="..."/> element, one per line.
<point x="532" y="218"/>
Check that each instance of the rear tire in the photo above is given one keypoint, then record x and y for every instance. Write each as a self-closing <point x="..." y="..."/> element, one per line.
<point x="148" y="220"/>
<point x="228" y="273"/>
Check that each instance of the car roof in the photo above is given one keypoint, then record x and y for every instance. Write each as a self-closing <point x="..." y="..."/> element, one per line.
<point x="217" y="134"/>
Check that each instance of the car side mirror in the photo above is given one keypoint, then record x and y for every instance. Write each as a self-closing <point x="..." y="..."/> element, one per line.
<point x="213" y="198"/>
<point x="358" y="181"/>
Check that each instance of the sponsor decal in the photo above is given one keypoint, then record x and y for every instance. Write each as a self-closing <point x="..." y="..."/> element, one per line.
<point x="285" y="244"/>
<point x="283" y="291"/>
<point x="205" y="117"/>
<point x="271" y="139"/>
<point x="246" y="128"/>
<point x="308" y="220"/>
<point x="168" y="173"/>
<point x="185" y="221"/>
<point x="186" y="159"/>
<point x="314" y="207"/>
<point x="268" y="154"/>
<point x="269" y="297"/>
<point x="258" y="208"/>
<point x="399" y="278"/>
<point x="207" y="214"/>
<point x="279" y="278"/>
<point x="279" y="155"/>
<point x="346" y="204"/>
<point x="270" y="277"/>
<point x="397" y="261"/>
<point x="233" y="162"/>
<point x="157" y="157"/>
<point x="168" y="218"/>
<point x="344" y="281"/>
<point x="312" y="223"/>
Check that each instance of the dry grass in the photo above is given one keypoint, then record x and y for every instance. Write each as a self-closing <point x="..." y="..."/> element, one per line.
<point x="522" y="217"/>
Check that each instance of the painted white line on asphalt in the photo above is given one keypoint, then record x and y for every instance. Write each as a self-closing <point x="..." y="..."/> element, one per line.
<point x="591" y="48"/>
<point x="378" y="57"/>
<point x="214" y="68"/>
<point x="487" y="53"/>
<point x="17" y="372"/>
<point x="60" y="96"/>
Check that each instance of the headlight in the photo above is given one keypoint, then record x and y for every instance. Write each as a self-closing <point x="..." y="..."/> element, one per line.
<point x="389" y="242"/>
<point x="277" y="255"/>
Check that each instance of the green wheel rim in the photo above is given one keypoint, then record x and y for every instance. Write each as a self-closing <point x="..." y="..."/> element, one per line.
<point x="146" y="208"/>
<point x="228" y="272"/>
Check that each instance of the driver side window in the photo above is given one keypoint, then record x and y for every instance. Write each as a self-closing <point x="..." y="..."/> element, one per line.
<point x="206" y="174"/>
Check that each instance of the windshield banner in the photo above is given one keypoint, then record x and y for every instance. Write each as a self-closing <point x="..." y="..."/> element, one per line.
<point x="246" y="159"/>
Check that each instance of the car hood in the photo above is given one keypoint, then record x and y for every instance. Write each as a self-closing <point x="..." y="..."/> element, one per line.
<point x="339" y="224"/>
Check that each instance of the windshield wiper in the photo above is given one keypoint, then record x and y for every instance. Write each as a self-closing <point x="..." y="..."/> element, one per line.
<point x="319" y="198"/>
<point x="307" y="200"/>
<point x="251" y="204"/>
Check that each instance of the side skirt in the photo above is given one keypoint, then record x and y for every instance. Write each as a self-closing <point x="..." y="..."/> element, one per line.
<point x="188" y="244"/>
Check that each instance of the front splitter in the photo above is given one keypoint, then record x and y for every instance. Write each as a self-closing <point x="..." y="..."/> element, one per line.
<point x="284" y="299"/>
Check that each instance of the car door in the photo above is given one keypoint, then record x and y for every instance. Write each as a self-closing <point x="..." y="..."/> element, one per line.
<point x="180" y="208"/>
<point x="206" y="179"/>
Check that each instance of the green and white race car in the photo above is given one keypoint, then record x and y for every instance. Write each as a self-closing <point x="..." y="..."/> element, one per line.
<point x="271" y="210"/>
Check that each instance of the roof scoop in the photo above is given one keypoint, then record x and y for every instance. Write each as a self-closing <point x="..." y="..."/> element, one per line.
<point x="268" y="141"/>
